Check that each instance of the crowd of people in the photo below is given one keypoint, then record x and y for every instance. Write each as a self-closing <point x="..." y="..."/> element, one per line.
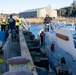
<point x="11" y="23"/>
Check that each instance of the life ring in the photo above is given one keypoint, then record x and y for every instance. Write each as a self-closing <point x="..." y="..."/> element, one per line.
<point x="52" y="47"/>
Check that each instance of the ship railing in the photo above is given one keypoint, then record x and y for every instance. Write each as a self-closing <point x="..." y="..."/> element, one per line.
<point x="52" y="26"/>
<point x="74" y="43"/>
<point x="6" y="50"/>
<point x="53" y="55"/>
<point x="56" y="60"/>
<point x="24" y="26"/>
<point x="48" y="27"/>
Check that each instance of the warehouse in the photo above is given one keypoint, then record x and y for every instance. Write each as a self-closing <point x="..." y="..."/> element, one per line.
<point x="38" y="13"/>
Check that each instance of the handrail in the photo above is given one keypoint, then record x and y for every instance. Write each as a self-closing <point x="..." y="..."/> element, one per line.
<point x="6" y="50"/>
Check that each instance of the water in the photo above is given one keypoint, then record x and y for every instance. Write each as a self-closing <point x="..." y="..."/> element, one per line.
<point x="35" y="29"/>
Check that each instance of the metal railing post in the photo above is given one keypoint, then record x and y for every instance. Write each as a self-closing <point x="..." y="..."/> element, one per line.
<point x="4" y="50"/>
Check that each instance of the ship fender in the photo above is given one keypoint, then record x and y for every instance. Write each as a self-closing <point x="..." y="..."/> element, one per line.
<point x="65" y="71"/>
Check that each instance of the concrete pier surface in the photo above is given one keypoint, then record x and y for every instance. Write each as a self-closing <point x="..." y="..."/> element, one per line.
<point x="17" y="48"/>
<point x="10" y="49"/>
<point x="25" y="51"/>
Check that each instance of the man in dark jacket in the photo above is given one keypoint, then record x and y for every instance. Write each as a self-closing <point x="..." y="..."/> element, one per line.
<point x="11" y="22"/>
<point x="47" y="20"/>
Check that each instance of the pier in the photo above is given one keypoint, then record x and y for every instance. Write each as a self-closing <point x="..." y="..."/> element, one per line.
<point x="24" y="54"/>
<point x="37" y="41"/>
<point x="17" y="49"/>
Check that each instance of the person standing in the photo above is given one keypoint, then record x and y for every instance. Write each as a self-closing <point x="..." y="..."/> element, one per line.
<point x="63" y="60"/>
<point x="41" y="37"/>
<point x="11" y="22"/>
<point x="47" y="20"/>
<point x="18" y="23"/>
<point x="75" y="26"/>
<point x="3" y="25"/>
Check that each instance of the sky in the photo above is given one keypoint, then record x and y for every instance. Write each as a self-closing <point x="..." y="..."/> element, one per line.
<point x="16" y="6"/>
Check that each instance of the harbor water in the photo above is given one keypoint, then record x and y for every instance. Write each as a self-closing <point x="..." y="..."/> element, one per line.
<point x="35" y="29"/>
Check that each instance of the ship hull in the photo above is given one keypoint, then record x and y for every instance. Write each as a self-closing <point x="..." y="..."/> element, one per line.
<point x="54" y="57"/>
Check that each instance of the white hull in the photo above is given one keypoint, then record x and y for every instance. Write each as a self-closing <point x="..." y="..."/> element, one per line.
<point x="59" y="52"/>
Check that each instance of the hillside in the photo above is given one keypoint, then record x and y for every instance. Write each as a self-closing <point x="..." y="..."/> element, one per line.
<point x="67" y="11"/>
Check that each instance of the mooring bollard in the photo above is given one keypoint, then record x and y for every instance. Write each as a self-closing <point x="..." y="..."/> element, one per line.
<point x="17" y="63"/>
<point x="20" y="72"/>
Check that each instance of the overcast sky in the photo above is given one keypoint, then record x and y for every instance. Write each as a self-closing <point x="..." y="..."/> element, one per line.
<point x="16" y="6"/>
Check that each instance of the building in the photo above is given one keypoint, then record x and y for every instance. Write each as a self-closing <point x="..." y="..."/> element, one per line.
<point x="3" y="16"/>
<point x="38" y="13"/>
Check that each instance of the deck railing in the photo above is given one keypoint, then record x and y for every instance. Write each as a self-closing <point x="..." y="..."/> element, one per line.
<point x="6" y="51"/>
